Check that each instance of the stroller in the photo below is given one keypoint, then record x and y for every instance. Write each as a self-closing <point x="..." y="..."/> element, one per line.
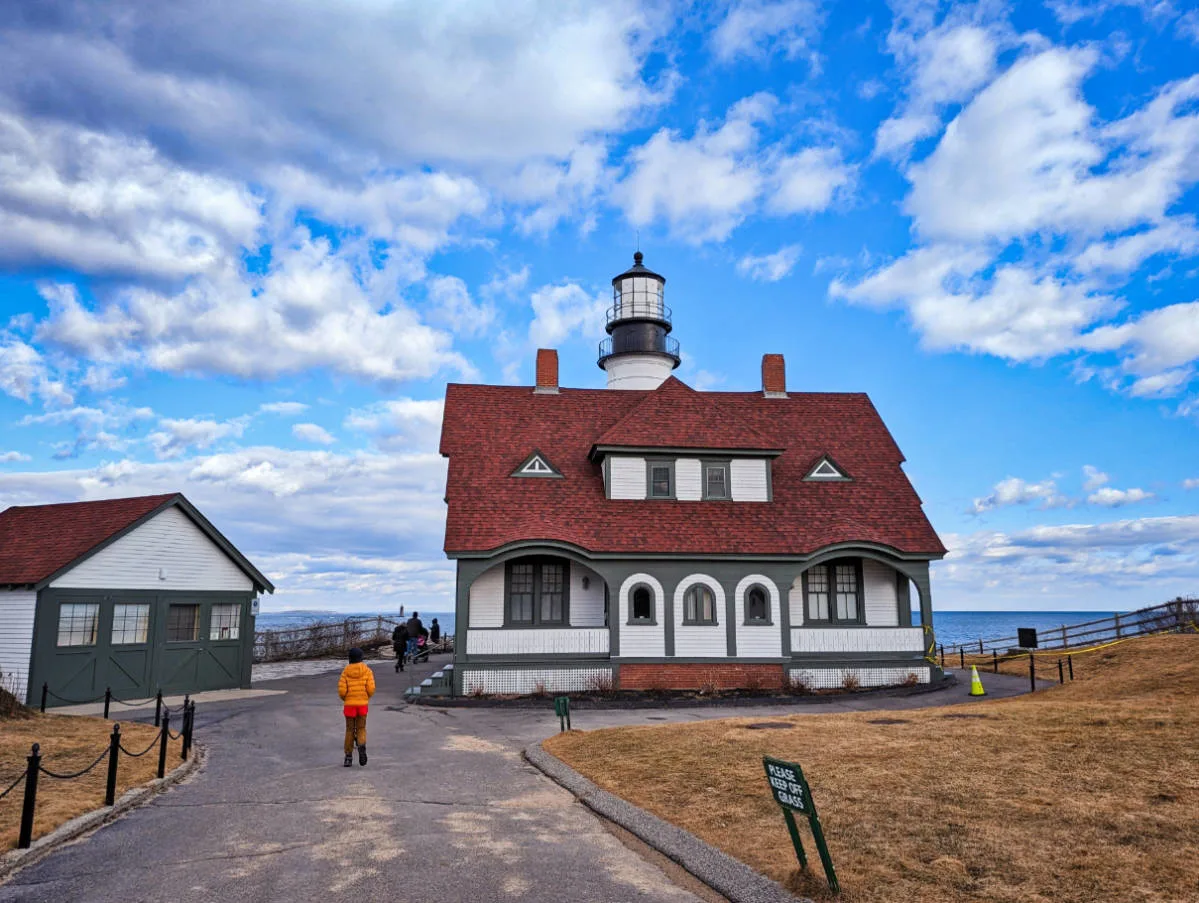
<point x="422" y="649"/>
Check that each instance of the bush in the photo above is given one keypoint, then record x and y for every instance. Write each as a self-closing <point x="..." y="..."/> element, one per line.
<point x="850" y="681"/>
<point x="601" y="684"/>
<point x="911" y="680"/>
<point x="10" y="705"/>
<point x="753" y="682"/>
<point x="797" y="685"/>
<point x="476" y="691"/>
<point x="539" y="688"/>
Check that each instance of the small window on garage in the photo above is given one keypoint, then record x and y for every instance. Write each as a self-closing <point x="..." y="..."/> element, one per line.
<point x="183" y="623"/>
<point x="130" y="624"/>
<point x="225" y="621"/>
<point x="78" y="623"/>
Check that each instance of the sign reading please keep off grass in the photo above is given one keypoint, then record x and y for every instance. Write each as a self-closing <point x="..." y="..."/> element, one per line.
<point x="791" y="791"/>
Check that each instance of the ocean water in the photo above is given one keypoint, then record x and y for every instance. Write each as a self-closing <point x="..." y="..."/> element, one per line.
<point x="951" y="626"/>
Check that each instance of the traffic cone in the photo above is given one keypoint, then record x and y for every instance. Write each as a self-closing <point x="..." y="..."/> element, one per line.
<point x="976" y="685"/>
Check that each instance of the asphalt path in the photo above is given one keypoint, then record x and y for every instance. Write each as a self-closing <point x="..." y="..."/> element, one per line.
<point x="446" y="810"/>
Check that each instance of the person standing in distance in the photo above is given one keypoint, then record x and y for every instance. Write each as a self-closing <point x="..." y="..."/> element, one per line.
<point x="415" y="629"/>
<point x="355" y="687"/>
<point x="399" y="642"/>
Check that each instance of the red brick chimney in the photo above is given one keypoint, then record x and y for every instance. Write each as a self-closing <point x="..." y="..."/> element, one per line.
<point x="774" y="376"/>
<point x="547" y="372"/>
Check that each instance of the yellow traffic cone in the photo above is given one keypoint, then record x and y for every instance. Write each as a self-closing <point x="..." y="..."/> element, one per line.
<point x="976" y="685"/>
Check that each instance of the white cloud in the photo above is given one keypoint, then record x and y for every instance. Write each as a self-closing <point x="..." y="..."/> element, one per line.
<point x="283" y="408"/>
<point x="10" y="457"/>
<point x="560" y="311"/>
<point x="1094" y="478"/>
<point x="808" y="181"/>
<point x="401" y="424"/>
<point x="770" y="267"/>
<point x="1114" y="498"/>
<point x="175" y="437"/>
<point x="109" y="427"/>
<point x="1015" y="491"/>
<point x="450" y="305"/>
<point x="311" y="432"/>
<point x="1191" y="483"/>
<point x="25" y="375"/>
<point x="756" y="28"/>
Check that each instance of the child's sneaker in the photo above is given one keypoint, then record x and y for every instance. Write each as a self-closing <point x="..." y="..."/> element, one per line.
<point x="361" y="755"/>
<point x="349" y="760"/>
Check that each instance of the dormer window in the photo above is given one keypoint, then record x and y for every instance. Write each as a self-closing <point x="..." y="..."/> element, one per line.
<point x="716" y="480"/>
<point x="826" y="469"/>
<point x="536" y="465"/>
<point x="661" y="479"/>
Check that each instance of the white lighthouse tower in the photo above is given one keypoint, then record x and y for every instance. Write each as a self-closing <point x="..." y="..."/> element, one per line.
<point x="639" y="353"/>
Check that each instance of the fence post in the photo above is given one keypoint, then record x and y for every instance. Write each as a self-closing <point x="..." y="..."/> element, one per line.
<point x="995" y="660"/>
<point x="1061" y="675"/>
<point x="942" y="656"/>
<point x="981" y="651"/>
<point x="1117" y="625"/>
<point x="162" y="748"/>
<point x="962" y="657"/>
<point x="107" y="700"/>
<point x="1070" y="662"/>
<point x="1032" y="673"/>
<point x="158" y="708"/>
<point x="1065" y="638"/>
<point x="45" y="690"/>
<point x="25" y="837"/>
<point x="114" y="750"/>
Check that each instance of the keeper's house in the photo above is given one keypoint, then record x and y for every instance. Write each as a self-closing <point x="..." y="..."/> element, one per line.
<point x="136" y="595"/>
<point x="651" y="536"/>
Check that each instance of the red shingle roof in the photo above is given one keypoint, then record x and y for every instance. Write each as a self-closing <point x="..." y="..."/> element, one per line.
<point x="37" y="541"/>
<point x="489" y="430"/>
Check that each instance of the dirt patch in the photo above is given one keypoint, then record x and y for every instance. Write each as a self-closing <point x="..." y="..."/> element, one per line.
<point x="68" y="744"/>
<point x="466" y="743"/>
<point x="1084" y="792"/>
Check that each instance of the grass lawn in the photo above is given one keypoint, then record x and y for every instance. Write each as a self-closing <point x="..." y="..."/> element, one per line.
<point x="69" y="743"/>
<point x="1088" y="791"/>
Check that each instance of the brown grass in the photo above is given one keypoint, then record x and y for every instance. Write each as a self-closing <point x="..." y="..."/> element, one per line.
<point x="69" y="743"/>
<point x="1084" y="792"/>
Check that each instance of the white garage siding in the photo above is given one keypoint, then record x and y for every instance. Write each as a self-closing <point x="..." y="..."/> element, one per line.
<point x="17" y="610"/>
<point x="167" y="552"/>
<point x="707" y="640"/>
<point x="486" y="605"/>
<point x="642" y="640"/>
<point x="755" y="640"/>
<point x="626" y="477"/>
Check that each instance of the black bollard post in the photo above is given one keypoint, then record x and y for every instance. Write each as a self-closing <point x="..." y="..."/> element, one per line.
<point x="45" y="691"/>
<point x="980" y="648"/>
<point x="25" y="836"/>
<point x="1061" y="675"/>
<point x="995" y="660"/>
<point x="1032" y="674"/>
<point x="189" y="719"/>
<point x="962" y="657"/>
<point x="162" y="749"/>
<point x="107" y="700"/>
<point x="1070" y="662"/>
<point x="114" y="750"/>
<point x="942" y="656"/>
<point x="158" y="709"/>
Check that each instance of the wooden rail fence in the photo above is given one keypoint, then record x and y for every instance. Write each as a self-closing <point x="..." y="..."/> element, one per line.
<point x="329" y="638"/>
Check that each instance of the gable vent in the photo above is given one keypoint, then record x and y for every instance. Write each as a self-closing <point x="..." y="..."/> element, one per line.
<point x="536" y="465"/>
<point x="826" y="469"/>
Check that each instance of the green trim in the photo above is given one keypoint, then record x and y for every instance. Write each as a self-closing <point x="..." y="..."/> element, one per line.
<point x="715" y="622"/>
<point x="707" y="660"/>
<point x="758" y="622"/>
<point x="532" y="658"/>
<point x="683" y="451"/>
<point x="651" y="621"/>
<point x="831" y="576"/>
<point x="727" y="464"/>
<point x="650" y="464"/>
<point x="537" y="561"/>
<point x="813" y="557"/>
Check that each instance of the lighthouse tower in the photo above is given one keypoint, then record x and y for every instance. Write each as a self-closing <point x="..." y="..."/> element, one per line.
<point x="639" y="353"/>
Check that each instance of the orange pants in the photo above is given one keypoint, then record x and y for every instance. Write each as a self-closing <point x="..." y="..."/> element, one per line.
<point x="355" y="727"/>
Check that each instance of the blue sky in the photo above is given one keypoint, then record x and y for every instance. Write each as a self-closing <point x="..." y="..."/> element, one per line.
<point x="243" y="249"/>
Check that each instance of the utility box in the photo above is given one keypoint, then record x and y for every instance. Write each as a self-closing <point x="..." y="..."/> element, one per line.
<point x="1027" y="637"/>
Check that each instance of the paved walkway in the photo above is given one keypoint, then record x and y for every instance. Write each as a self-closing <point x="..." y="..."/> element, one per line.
<point x="446" y="810"/>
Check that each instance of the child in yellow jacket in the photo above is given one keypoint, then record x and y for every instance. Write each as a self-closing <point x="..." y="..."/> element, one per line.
<point x="355" y="687"/>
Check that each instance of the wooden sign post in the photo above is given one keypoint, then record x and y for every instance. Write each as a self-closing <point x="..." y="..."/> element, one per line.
<point x="791" y="792"/>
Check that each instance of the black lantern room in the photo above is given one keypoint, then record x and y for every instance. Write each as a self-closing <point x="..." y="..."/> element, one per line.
<point x="638" y="320"/>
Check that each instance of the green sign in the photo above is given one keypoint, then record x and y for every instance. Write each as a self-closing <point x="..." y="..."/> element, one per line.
<point x="790" y="790"/>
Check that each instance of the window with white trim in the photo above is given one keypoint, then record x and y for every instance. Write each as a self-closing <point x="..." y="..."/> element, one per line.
<point x="833" y="592"/>
<point x="716" y="480"/>
<point x="225" y="621"/>
<point x="130" y="624"/>
<point x="78" y="623"/>
<point x="699" y="605"/>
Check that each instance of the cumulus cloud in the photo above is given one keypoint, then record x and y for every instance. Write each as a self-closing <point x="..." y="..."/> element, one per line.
<point x="311" y="432"/>
<point x="111" y="426"/>
<point x="175" y="437"/>
<point x="1015" y="491"/>
<point x="401" y="424"/>
<point x="451" y="305"/>
<point x="283" y="408"/>
<point x="758" y="28"/>
<point x="1191" y="483"/>
<point x="770" y="267"/>
<point x="560" y="311"/>
<point x="1093" y="477"/>
<point x="1109" y="497"/>
<point x="10" y="457"/>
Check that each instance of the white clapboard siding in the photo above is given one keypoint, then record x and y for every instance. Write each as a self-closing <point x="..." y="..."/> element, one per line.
<point x="586" y="605"/>
<point x="543" y="641"/>
<point x="695" y="640"/>
<point x="17" y="610"/>
<point x="882" y="594"/>
<point x="758" y="640"/>
<point x="687" y="480"/>
<point x="642" y="640"/>
<point x="795" y="601"/>
<point x="522" y="681"/>
<point x="747" y="478"/>
<point x="167" y="552"/>
<point x="834" y="678"/>
<point x="858" y="639"/>
<point x="627" y="476"/>
<point x="487" y="599"/>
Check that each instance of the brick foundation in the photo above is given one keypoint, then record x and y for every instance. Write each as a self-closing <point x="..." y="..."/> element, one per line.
<point x="721" y="675"/>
